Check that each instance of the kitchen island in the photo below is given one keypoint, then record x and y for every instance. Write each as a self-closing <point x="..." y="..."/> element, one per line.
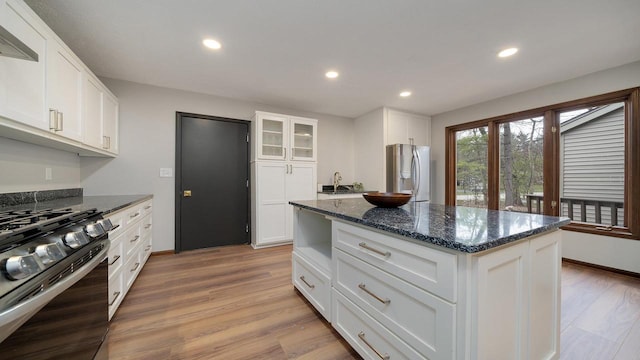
<point x="427" y="281"/>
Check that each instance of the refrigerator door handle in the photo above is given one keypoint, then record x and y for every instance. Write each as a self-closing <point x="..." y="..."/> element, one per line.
<point x="416" y="178"/>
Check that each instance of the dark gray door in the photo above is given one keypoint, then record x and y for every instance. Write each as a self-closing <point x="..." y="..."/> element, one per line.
<point x="212" y="174"/>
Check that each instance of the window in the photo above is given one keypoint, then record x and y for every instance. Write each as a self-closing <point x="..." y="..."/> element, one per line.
<point x="576" y="159"/>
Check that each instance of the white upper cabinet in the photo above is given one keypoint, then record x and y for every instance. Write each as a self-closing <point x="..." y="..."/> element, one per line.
<point x="407" y="128"/>
<point x="64" y="92"/>
<point x="56" y="101"/>
<point x="284" y="137"/>
<point x="100" y="116"/>
<point x="22" y="82"/>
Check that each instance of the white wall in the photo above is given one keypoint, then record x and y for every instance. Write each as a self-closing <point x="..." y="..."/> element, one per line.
<point x="602" y="250"/>
<point x="22" y="167"/>
<point x="147" y="143"/>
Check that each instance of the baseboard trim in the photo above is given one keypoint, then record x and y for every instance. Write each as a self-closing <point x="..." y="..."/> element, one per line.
<point x="601" y="267"/>
<point x="162" y="253"/>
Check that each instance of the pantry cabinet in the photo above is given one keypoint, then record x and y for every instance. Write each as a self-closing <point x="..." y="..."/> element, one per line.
<point x="56" y="101"/>
<point x="284" y="137"/>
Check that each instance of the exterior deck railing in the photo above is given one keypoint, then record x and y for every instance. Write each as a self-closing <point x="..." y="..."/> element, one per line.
<point x="582" y="203"/>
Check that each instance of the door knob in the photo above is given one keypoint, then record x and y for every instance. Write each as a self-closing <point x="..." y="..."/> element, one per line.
<point x="187" y="193"/>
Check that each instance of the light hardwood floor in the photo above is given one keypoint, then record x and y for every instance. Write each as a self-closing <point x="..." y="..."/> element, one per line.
<point x="238" y="303"/>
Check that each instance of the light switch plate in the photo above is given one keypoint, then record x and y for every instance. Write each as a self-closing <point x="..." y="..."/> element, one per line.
<point x="166" y="172"/>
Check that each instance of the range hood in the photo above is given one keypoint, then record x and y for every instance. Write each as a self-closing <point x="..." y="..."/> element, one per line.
<point x="11" y="46"/>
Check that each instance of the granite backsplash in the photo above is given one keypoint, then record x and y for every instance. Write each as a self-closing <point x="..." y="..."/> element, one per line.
<point x="28" y="197"/>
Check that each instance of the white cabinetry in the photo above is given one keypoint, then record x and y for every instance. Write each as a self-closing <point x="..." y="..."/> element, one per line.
<point x="22" y="82"/>
<point x="50" y="102"/>
<point x="284" y="137"/>
<point x="283" y="169"/>
<point x="390" y="296"/>
<point x="275" y="184"/>
<point x="64" y="92"/>
<point x="130" y="248"/>
<point x="100" y="116"/>
<point x="375" y="130"/>
<point x="407" y="128"/>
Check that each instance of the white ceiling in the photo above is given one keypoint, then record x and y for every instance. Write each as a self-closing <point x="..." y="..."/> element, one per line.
<point x="277" y="51"/>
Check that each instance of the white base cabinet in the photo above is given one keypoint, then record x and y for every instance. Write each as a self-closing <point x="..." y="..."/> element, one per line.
<point x="130" y="248"/>
<point x="392" y="297"/>
<point x="275" y="184"/>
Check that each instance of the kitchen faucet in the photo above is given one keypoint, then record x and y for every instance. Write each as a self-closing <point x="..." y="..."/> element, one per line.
<point x="336" y="180"/>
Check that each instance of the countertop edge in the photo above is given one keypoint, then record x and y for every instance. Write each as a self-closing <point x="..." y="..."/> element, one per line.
<point x="434" y="240"/>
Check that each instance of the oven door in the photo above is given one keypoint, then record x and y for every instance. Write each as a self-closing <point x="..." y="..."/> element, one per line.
<point x="72" y="325"/>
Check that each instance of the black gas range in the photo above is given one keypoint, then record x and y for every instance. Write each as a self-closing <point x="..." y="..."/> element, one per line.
<point x="53" y="259"/>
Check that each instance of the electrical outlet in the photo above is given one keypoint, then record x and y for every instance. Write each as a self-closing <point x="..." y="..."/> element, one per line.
<point x="166" y="172"/>
<point x="47" y="173"/>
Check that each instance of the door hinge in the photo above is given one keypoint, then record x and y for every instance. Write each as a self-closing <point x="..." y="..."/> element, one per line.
<point x="554" y="129"/>
<point x="246" y="228"/>
<point x="554" y="203"/>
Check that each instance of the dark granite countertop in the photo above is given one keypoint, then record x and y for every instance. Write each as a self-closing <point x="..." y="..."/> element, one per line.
<point x="459" y="228"/>
<point x="105" y="203"/>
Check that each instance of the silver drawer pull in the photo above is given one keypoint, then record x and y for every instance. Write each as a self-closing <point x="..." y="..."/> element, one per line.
<point x="147" y="226"/>
<point x="117" y="294"/>
<point x="383" y="253"/>
<point x="136" y="267"/>
<point x="147" y="207"/>
<point x="114" y="260"/>
<point x="147" y="248"/>
<point x="384" y="301"/>
<point x="380" y="355"/>
<point x="134" y="215"/>
<point x="305" y="281"/>
<point x="135" y="238"/>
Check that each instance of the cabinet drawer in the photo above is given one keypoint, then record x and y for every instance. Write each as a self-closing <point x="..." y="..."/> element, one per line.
<point x="146" y="248"/>
<point x="146" y="225"/>
<point x="146" y="207"/>
<point x="131" y="239"/>
<point x="116" y="292"/>
<point x="430" y="269"/>
<point x="133" y="214"/>
<point x="131" y="269"/>
<point x="115" y="256"/>
<point x="313" y="284"/>
<point x="420" y="319"/>
<point x="117" y="219"/>
<point x="368" y="337"/>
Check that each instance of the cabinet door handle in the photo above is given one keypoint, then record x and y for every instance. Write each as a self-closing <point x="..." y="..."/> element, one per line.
<point x="136" y="267"/>
<point x="135" y="238"/>
<point x="383" y="253"/>
<point x="147" y="207"/>
<point x="117" y="294"/>
<point x="364" y="288"/>
<point x="291" y="171"/>
<point x="114" y="260"/>
<point x="104" y="142"/>
<point x="53" y="119"/>
<point x="115" y="227"/>
<point x="147" y="248"/>
<point x="60" y="124"/>
<point x="285" y="152"/>
<point x="306" y="283"/>
<point x="147" y="226"/>
<point x="380" y="355"/>
<point x="134" y="215"/>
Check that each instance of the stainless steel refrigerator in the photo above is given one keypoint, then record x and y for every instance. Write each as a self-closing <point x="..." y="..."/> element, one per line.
<point x="408" y="170"/>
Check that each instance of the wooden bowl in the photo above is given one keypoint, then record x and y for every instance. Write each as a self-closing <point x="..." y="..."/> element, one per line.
<point x="388" y="200"/>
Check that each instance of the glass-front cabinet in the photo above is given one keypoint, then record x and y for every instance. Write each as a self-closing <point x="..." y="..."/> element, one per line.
<point x="283" y="137"/>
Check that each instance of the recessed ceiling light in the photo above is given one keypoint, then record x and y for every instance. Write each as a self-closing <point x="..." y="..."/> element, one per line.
<point x="405" y="93"/>
<point x="331" y="74"/>
<point x="211" y="44"/>
<point x="507" y="52"/>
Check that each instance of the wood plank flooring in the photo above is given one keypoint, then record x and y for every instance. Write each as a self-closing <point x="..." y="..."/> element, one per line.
<point x="238" y="303"/>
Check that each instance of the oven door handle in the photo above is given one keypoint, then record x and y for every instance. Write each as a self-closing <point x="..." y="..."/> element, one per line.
<point x="13" y="317"/>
